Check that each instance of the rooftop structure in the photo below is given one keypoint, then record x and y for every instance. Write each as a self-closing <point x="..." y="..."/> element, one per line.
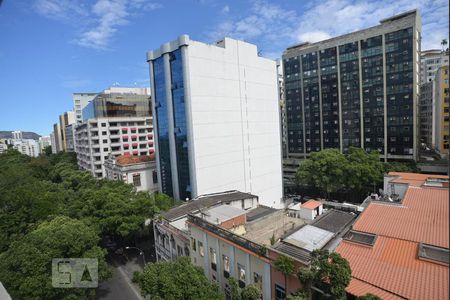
<point x="400" y="250"/>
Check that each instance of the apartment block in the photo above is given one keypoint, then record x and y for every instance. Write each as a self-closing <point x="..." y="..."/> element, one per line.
<point x="65" y="120"/>
<point x="115" y="123"/>
<point x="442" y="110"/>
<point x="217" y="119"/>
<point x="27" y="146"/>
<point x="80" y="100"/>
<point x="57" y="134"/>
<point x="430" y="62"/>
<point x="357" y="90"/>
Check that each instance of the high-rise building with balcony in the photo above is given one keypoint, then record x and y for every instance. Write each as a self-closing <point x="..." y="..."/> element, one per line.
<point x="217" y="119"/>
<point x="356" y="90"/>
<point x="116" y="122"/>
<point x="430" y="62"/>
<point x="442" y="108"/>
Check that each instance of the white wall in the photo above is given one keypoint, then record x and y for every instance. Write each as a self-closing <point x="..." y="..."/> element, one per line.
<point x="146" y="180"/>
<point x="235" y="116"/>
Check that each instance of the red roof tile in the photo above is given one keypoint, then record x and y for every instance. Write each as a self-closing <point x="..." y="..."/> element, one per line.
<point x="391" y="267"/>
<point x="133" y="159"/>
<point x="311" y="204"/>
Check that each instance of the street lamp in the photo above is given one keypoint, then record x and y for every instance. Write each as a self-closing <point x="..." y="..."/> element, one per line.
<point x="140" y="252"/>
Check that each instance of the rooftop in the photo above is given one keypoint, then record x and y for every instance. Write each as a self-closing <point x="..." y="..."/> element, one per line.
<point x="408" y="258"/>
<point x="125" y="160"/>
<point x="334" y="221"/>
<point x="414" y="179"/>
<point x="311" y="204"/>
<point x="219" y="214"/>
<point x="309" y="238"/>
<point x="205" y="201"/>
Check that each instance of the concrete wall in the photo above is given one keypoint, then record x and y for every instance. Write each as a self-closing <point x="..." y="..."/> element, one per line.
<point x="235" y="116"/>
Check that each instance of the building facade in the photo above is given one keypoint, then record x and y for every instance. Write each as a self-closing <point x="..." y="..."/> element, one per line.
<point x="58" y="138"/>
<point x="218" y="126"/>
<point x="44" y="141"/>
<point x="80" y="100"/>
<point x="53" y="143"/>
<point x="427" y="129"/>
<point x="442" y="110"/>
<point x="140" y="171"/>
<point x="356" y="90"/>
<point x="117" y="123"/>
<point x="28" y="147"/>
<point x="430" y="62"/>
<point x="65" y="120"/>
<point x="17" y="135"/>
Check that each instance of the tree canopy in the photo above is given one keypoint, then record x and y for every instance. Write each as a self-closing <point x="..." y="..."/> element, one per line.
<point x="37" y="195"/>
<point x="25" y="268"/>
<point x="329" y="272"/>
<point x="331" y="171"/>
<point x="285" y="265"/>
<point x="177" y="279"/>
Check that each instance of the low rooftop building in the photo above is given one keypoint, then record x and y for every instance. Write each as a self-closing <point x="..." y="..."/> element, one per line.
<point x="400" y="249"/>
<point x="140" y="171"/>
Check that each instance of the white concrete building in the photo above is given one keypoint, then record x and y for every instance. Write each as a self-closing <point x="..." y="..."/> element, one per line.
<point x="117" y="124"/>
<point x="44" y="141"/>
<point x="218" y="120"/>
<point x="53" y="143"/>
<point x="3" y="147"/>
<point x="430" y="62"/>
<point x="28" y="147"/>
<point x="140" y="171"/>
<point x="80" y="100"/>
<point x="17" y="135"/>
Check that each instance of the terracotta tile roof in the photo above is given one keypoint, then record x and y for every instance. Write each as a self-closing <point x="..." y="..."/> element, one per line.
<point x="415" y="179"/>
<point x="133" y="159"/>
<point x="358" y="287"/>
<point x="311" y="204"/>
<point x="391" y="268"/>
<point x="422" y="217"/>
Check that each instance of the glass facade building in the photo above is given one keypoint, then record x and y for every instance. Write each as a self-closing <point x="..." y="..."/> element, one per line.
<point x="117" y="105"/>
<point x="170" y="113"/>
<point x="356" y="90"/>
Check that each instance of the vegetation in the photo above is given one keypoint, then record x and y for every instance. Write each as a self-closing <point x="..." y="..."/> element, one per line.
<point x="357" y="171"/>
<point x="177" y="279"/>
<point x="250" y="292"/>
<point x="329" y="272"/>
<point x="50" y="209"/>
<point x="285" y="265"/>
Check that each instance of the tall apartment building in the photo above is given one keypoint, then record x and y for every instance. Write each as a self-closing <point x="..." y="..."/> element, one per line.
<point x="65" y="120"/>
<point x="430" y="104"/>
<point x="430" y="62"/>
<point x="356" y="90"/>
<point x="44" y="141"/>
<point x="57" y="134"/>
<point x="28" y="147"/>
<point x="17" y="135"/>
<point x="217" y="119"/>
<point x="442" y="110"/>
<point x="80" y="100"/>
<point x="116" y="122"/>
<point x="53" y="142"/>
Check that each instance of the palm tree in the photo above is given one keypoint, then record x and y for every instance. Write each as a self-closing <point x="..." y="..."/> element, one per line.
<point x="285" y="265"/>
<point x="444" y="43"/>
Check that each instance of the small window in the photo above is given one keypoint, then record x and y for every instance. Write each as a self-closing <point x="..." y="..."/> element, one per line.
<point x="200" y="249"/>
<point x="193" y="244"/>
<point x="241" y="273"/>
<point x="137" y="179"/>
<point x="213" y="256"/>
<point x="103" y="124"/>
<point x="226" y="263"/>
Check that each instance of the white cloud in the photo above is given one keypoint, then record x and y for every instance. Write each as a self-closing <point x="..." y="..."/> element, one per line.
<point x="274" y="28"/>
<point x="226" y="9"/>
<point x="100" y="20"/>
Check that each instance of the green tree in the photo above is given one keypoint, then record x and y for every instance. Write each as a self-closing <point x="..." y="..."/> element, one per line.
<point x="329" y="272"/>
<point x="47" y="151"/>
<point x="177" y="279"/>
<point x="299" y="295"/>
<point x="324" y="170"/>
<point x="395" y="166"/>
<point x="369" y="296"/>
<point x="363" y="170"/>
<point x="250" y="292"/>
<point x="286" y="266"/>
<point x="25" y="268"/>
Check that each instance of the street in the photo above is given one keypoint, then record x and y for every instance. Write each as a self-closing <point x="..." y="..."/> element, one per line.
<point x="120" y="286"/>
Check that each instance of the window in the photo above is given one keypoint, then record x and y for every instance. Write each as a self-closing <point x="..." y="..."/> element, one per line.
<point x="105" y="141"/>
<point x="103" y="124"/>
<point x="241" y="274"/>
<point x="226" y="266"/>
<point x="137" y="179"/>
<point x="257" y="279"/>
<point x="200" y="249"/>
<point x="193" y="244"/>
<point x="280" y="293"/>
<point x="213" y="256"/>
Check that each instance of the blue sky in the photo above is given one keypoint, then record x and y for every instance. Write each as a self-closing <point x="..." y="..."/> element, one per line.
<point x="52" y="48"/>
